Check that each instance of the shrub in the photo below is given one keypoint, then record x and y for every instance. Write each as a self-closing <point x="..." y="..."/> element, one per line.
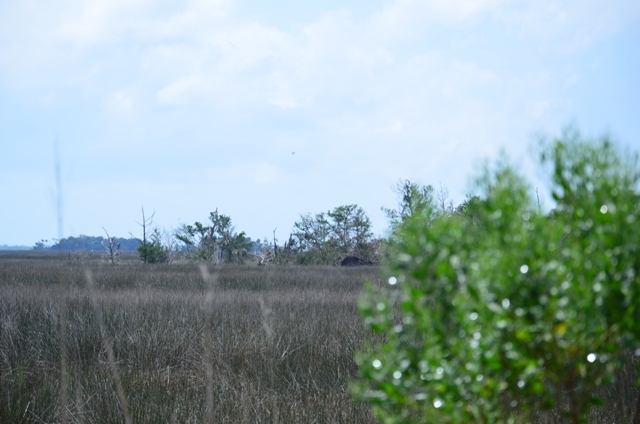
<point x="501" y="311"/>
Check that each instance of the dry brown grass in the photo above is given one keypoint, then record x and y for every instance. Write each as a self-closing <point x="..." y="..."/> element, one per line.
<point x="155" y="318"/>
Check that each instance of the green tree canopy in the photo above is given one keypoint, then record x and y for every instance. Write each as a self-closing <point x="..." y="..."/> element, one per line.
<point x="327" y="237"/>
<point x="214" y="242"/>
<point x="413" y="199"/>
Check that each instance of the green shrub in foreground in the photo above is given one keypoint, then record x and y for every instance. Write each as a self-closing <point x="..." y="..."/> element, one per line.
<point x="498" y="312"/>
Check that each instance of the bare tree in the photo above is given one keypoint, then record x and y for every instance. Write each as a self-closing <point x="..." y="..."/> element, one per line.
<point x="170" y="245"/>
<point x="278" y="254"/>
<point x="146" y="226"/>
<point x="275" y="242"/>
<point x="444" y="203"/>
<point x="112" y="247"/>
<point x="264" y="255"/>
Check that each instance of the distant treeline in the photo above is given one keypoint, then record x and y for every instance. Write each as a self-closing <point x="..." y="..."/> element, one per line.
<point x="7" y="247"/>
<point x="88" y="243"/>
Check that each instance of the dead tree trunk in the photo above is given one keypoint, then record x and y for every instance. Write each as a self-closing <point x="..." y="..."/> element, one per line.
<point x="112" y="248"/>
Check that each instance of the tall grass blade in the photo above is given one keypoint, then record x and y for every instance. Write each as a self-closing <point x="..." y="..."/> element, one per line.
<point x="207" y="343"/>
<point x="64" y="383"/>
<point x="108" y="347"/>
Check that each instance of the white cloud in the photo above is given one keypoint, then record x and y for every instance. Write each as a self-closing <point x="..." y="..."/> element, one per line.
<point x="199" y="47"/>
<point x="418" y="89"/>
<point x="121" y="101"/>
<point x="179" y="90"/>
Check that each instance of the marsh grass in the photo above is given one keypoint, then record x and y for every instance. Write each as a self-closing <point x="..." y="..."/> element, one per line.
<point x="259" y="345"/>
<point x="239" y="345"/>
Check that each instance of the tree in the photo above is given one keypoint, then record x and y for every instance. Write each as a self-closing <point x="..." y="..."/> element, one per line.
<point x="413" y="199"/>
<point x="444" y="205"/>
<point x="151" y="249"/>
<point x="112" y="247"/>
<point x="216" y="242"/>
<point x="351" y="228"/>
<point x="312" y="235"/>
<point x="500" y="311"/>
<point x="42" y="245"/>
<point x="328" y="237"/>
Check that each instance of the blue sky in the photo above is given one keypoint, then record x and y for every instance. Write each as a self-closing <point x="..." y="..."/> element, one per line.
<point x="187" y="106"/>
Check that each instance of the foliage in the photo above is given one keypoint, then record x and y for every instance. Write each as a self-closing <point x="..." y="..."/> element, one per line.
<point x="216" y="242"/>
<point x="413" y="199"/>
<point x="42" y="245"/>
<point x="153" y="251"/>
<point x="151" y="248"/>
<point x="500" y="311"/>
<point x="328" y="237"/>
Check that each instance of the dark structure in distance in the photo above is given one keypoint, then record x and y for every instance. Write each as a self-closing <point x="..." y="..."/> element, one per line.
<point x="355" y="261"/>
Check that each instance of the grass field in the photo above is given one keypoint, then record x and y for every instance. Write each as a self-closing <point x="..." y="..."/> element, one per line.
<point x="280" y="342"/>
<point x="250" y="345"/>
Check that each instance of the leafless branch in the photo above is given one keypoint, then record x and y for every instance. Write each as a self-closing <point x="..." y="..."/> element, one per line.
<point x="112" y="248"/>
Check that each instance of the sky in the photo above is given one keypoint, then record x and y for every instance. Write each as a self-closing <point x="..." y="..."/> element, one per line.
<point x="182" y="107"/>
